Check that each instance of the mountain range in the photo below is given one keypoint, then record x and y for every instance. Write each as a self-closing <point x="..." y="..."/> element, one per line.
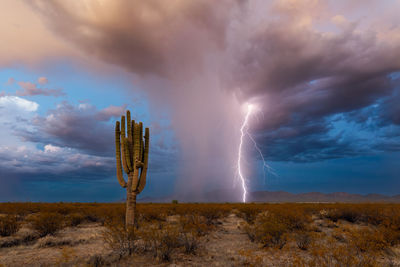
<point x="275" y="197"/>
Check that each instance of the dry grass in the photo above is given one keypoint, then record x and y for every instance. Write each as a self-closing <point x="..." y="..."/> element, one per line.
<point x="189" y="234"/>
<point x="47" y="223"/>
<point x="9" y="225"/>
<point x="119" y="239"/>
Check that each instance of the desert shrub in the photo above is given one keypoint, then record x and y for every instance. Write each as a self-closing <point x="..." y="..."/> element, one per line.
<point x="272" y="226"/>
<point x="336" y="255"/>
<point x="149" y="214"/>
<point x="249" y="212"/>
<point x="160" y="242"/>
<point x="303" y="240"/>
<point x="391" y="236"/>
<point x="168" y="241"/>
<point x="163" y="241"/>
<point x="366" y="239"/>
<point x="192" y="227"/>
<point x="174" y="201"/>
<point x="195" y="224"/>
<point x="46" y="223"/>
<point x="75" y="219"/>
<point x="9" y="225"/>
<point x="210" y="213"/>
<point x="349" y="213"/>
<point x="119" y="239"/>
<point x="96" y="260"/>
<point x="190" y="241"/>
<point x="339" y="235"/>
<point x="268" y="230"/>
<point x="293" y="217"/>
<point x="376" y="214"/>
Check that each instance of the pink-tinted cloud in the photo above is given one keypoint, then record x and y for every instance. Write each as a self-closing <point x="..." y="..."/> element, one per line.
<point x="30" y="89"/>
<point x="111" y="111"/>
<point x="10" y="81"/>
<point x="43" y="80"/>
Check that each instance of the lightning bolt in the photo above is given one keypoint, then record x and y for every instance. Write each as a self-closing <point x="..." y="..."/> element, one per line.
<point x="243" y="133"/>
<point x="265" y="165"/>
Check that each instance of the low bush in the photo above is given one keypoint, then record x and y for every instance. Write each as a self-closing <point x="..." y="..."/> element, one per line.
<point x="366" y="239"/>
<point x="272" y="226"/>
<point x="119" y="239"/>
<point x="46" y="223"/>
<point x="336" y="255"/>
<point x="249" y="212"/>
<point x="160" y="242"/>
<point x="210" y="213"/>
<point x="190" y="241"/>
<point x="348" y="213"/>
<point x="75" y="219"/>
<point x="195" y="224"/>
<point x="9" y="225"/>
<point x="268" y="230"/>
<point x="303" y="240"/>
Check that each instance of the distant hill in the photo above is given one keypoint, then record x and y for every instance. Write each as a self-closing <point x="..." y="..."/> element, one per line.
<point x="281" y="196"/>
<point x="275" y="197"/>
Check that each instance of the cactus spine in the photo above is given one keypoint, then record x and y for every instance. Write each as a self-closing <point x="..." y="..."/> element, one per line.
<point x="133" y="152"/>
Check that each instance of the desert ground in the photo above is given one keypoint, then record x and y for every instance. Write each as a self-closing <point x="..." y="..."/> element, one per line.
<point x="289" y="234"/>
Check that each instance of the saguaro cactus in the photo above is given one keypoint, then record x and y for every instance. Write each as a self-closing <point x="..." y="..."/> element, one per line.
<point x="135" y="154"/>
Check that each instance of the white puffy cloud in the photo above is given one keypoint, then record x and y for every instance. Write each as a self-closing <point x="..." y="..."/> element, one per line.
<point x="51" y="149"/>
<point x="14" y="114"/>
<point x="16" y="103"/>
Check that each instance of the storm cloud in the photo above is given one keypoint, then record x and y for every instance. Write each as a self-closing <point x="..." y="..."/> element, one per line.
<point x="309" y="66"/>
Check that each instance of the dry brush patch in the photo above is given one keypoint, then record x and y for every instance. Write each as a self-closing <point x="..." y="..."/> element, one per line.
<point x="47" y="223"/>
<point x="306" y="234"/>
<point x="9" y="225"/>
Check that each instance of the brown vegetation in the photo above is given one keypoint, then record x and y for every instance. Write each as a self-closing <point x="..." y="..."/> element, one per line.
<point x="9" y="225"/>
<point x="47" y="223"/>
<point x="230" y="234"/>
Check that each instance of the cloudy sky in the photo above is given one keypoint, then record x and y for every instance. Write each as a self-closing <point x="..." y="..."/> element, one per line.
<point x="324" y="77"/>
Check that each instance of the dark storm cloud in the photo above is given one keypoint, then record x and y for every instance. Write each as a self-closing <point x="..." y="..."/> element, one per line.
<point x="298" y="75"/>
<point x="142" y="36"/>
<point x="80" y="127"/>
<point x="53" y="164"/>
<point x="77" y="143"/>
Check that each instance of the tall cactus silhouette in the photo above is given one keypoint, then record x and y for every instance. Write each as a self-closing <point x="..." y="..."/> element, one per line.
<point x="135" y="154"/>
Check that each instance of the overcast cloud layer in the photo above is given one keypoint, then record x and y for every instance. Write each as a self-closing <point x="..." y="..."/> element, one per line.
<point x="323" y="74"/>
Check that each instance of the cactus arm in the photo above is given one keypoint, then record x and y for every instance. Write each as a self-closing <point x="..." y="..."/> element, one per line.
<point x="136" y="146"/>
<point x="143" y="174"/>
<point x="120" y="176"/>
<point x="130" y="133"/>
<point x="123" y="144"/>
<point x="141" y="142"/>
<point x="126" y="169"/>
<point x="133" y="131"/>
<point x="127" y="155"/>
<point x="123" y="126"/>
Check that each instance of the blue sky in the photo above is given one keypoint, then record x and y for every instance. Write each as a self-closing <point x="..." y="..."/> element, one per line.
<point x="324" y="76"/>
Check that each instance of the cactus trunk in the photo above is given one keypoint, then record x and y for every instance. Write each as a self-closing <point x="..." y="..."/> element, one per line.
<point x="130" y="219"/>
<point x="132" y="154"/>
